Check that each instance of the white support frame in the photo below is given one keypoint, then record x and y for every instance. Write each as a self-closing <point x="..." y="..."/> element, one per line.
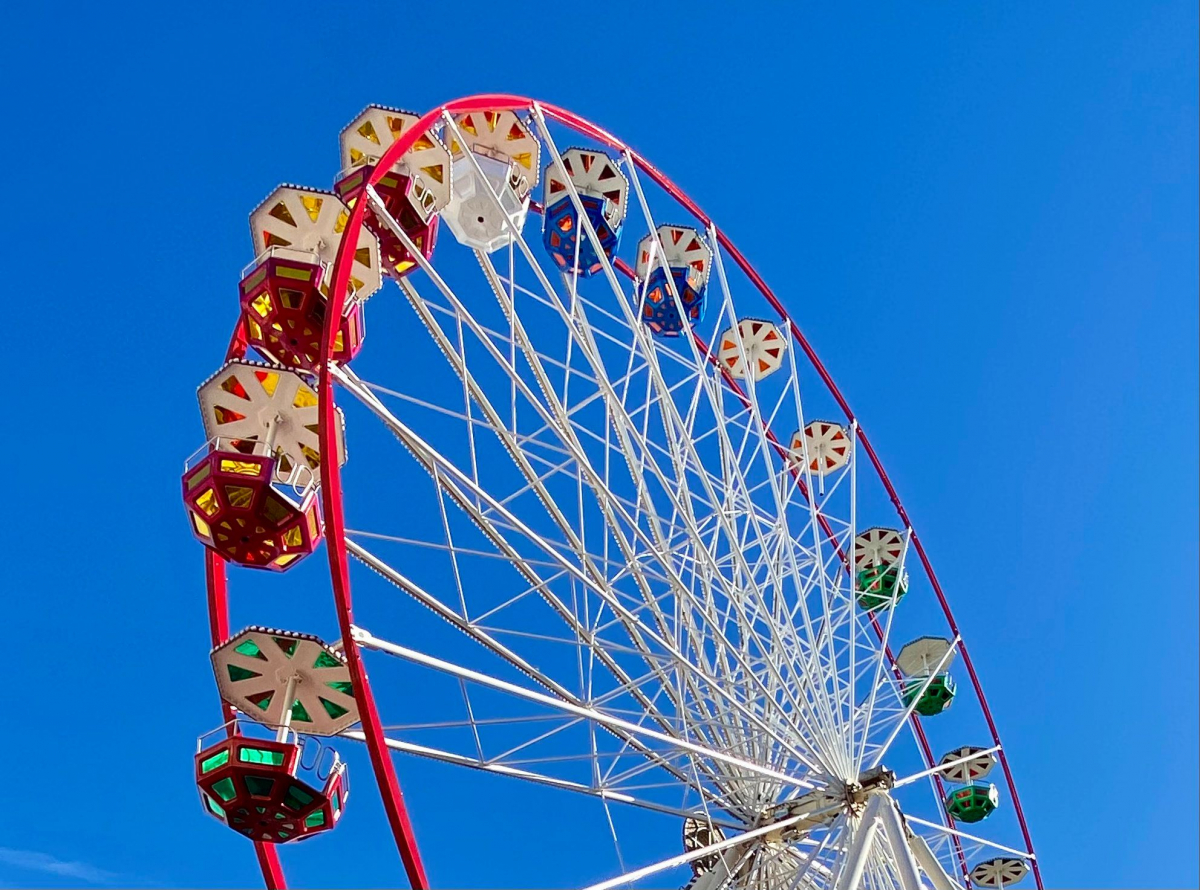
<point x="716" y="648"/>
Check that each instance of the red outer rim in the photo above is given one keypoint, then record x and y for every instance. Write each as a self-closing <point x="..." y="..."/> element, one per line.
<point x="218" y="623"/>
<point x="217" y="587"/>
<point x="331" y="482"/>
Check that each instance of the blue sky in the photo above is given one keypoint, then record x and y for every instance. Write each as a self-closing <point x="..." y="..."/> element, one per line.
<point x="1004" y="193"/>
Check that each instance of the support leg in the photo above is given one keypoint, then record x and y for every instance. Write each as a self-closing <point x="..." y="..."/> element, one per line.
<point x="930" y="865"/>
<point x="906" y="868"/>
<point x="860" y="846"/>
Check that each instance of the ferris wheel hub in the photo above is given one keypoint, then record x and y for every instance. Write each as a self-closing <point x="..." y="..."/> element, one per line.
<point x="820" y="807"/>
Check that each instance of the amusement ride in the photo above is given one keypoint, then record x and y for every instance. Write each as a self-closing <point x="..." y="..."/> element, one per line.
<point x="638" y="547"/>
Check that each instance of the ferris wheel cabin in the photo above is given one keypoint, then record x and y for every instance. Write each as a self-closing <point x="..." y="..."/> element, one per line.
<point x="411" y="194"/>
<point x="602" y="191"/>
<point x="285" y="788"/>
<point x="283" y="309"/>
<point x="674" y="263"/>
<point x="494" y="169"/>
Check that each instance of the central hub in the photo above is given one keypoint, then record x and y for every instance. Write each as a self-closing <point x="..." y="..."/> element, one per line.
<point x="876" y="779"/>
<point x="821" y="806"/>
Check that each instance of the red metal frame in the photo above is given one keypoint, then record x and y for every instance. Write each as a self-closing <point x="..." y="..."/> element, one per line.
<point x="218" y="624"/>
<point x="217" y="588"/>
<point x="288" y="819"/>
<point x="331" y="487"/>
<point x="257" y="548"/>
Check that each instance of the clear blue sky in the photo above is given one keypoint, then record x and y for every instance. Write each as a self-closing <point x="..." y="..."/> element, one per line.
<point x="1007" y="192"/>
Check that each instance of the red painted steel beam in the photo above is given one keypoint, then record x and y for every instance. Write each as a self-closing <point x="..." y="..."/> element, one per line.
<point x="217" y="587"/>
<point x="218" y="626"/>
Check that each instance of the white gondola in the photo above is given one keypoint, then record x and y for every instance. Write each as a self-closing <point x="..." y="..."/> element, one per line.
<point x="495" y="167"/>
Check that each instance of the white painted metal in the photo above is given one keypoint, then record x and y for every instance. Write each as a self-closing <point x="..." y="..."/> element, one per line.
<point x="593" y="173"/>
<point x="878" y="662"/>
<point x="461" y="497"/>
<point x="878" y="547"/>
<point x="470" y="215"/>
<point x="929" y="863"/>
<point x="934" y="829"/>
<point x="516" y="661"/>
<point x="490" y="190"/>
<point x="460" y="309"/>
<point x="753" y="345"/>
<point x="608" y="520"/>
<point x="250" y="401"/>
<point x="1001" y="871"/>
<point x="823" y="446"/>
<point x="285" y="668"/>
<point x="967" y="764"/>
<point x="675" y="247"/>
<point x="699" y="832"/>
<point x="925" y="655"/>
<point x="427" y="163"/>
<point x="527" y="775"/>
<point x="719" y="874"/>
<point x="312" y="220"/>
<point x="935" y="769"/>
<point x="366" y="639"/>
<point x="285" y="704"/>
<point x="893" y="829"/>
<point x="685" y="858"/>
<point x="930" y="674"/>
<point x="861" y="845"/>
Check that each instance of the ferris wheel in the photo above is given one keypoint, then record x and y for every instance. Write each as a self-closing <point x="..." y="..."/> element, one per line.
<point x="596" y="513"/>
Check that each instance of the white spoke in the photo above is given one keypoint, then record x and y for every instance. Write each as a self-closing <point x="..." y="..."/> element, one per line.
<point x="363" y="638"/>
